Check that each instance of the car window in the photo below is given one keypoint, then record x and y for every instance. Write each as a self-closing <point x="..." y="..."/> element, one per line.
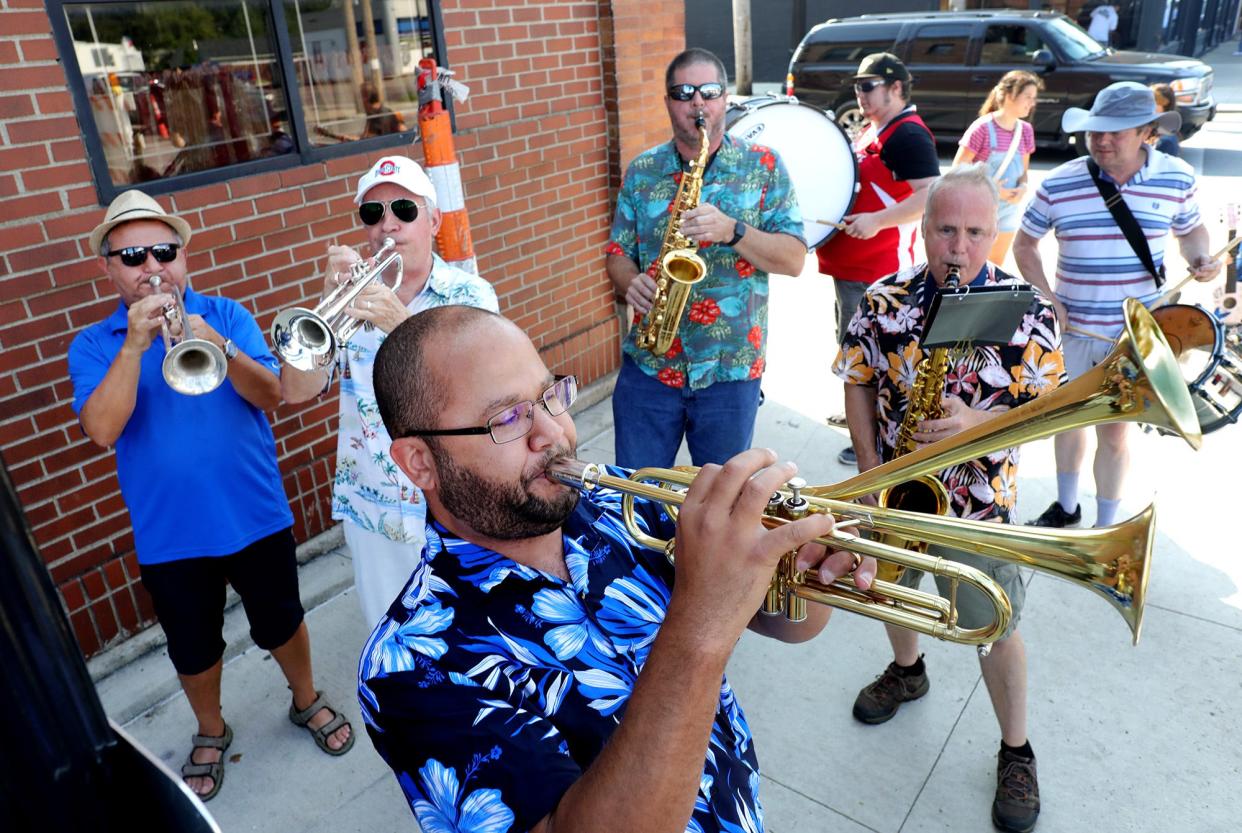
<point x="1010" y="44"/>
<point x="848" y="45"/>
<point x="1074" y="43"/>
<point x="940" y="44"/>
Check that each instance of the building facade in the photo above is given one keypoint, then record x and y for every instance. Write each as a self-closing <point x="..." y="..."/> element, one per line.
<point x="253" y="120"/>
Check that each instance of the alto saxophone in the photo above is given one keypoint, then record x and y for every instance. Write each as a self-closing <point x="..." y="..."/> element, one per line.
<point x="925" y="494"/>
<point x="680" y="266"/>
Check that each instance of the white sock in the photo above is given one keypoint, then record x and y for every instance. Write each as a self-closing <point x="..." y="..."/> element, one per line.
<point x="1106" y="511"/>
<point x="1067" y="490"/>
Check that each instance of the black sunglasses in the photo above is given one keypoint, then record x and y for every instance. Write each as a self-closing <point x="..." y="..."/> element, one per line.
<point x="137" y="255"/>
<point x="372" y="211"/>
<point x="685" y="92"/>
<point x="868" y="86"/>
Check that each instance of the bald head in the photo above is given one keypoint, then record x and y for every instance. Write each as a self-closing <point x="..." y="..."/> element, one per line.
<point x="415" y="366"/>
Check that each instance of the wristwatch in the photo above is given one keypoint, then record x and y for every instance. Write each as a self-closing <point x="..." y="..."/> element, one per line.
<point x="739" y="230"/>
<point x="230" y="349"/>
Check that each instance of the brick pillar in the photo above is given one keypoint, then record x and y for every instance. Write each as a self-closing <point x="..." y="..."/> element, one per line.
<point x="638" y="39"/>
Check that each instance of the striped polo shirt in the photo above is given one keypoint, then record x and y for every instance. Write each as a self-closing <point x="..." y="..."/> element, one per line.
<point x="1096" y="268"/>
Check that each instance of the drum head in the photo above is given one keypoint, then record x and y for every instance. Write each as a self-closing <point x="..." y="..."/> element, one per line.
<point x="1210" y="360"/>
<point x="815" y="151"/>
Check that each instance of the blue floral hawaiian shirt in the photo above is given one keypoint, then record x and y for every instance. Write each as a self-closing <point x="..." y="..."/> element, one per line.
<point x="723" y="331"/>
<point x="491" y="686"/>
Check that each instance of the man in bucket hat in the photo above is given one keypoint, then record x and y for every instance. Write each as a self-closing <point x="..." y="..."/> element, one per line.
<point x="1098" y="267"/>
<point x="383" y="513"/>
<point x="198" y="475"/>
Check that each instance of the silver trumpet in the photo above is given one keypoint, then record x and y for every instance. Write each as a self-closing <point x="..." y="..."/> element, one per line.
<point x="192" y="366"/>
<point x="308" y="339"/>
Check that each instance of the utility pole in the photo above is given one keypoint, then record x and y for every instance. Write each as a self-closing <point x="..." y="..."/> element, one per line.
<point x="742" y="63"/>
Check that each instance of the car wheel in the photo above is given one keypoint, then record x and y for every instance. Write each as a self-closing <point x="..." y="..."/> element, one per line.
<point x="851" y="120"/>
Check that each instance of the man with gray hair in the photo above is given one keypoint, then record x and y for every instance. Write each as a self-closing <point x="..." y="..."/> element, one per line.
<point x="382" y="512"/>
<point x="880" y="355"/>
<point x="1111" y="213"/>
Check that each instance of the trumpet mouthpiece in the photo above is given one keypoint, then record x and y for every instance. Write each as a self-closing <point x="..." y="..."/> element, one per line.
<point x="574" y="473"/>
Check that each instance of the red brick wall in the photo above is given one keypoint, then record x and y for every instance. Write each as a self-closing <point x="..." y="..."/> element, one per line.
<point x="556" y="109"/>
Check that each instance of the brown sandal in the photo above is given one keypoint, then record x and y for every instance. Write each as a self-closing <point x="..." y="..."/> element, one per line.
<point x="302" y="718"/>
<point x="213" y="770"/>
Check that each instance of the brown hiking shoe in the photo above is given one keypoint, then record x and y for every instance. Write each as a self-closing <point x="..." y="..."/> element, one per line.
<point x="1016" y="808"/>
<point x="878" y="702"/>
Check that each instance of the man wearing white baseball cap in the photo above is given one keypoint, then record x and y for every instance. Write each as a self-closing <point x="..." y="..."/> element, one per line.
<point x="1108" y="250"/>
<point x="382" y="511"/>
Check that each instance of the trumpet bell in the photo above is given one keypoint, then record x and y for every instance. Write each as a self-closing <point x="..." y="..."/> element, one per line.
<point x="194" y="367"/>
<point x="303" y="339"/>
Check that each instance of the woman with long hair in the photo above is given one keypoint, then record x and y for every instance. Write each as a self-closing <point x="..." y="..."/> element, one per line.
<point x="1166" y="101"/>
<point x="1004" y="142"/>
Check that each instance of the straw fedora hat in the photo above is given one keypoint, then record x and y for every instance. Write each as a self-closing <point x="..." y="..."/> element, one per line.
<point x="135" y="205"/>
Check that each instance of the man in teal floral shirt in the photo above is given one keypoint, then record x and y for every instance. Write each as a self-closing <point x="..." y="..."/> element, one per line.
<point x="747" y="223"/>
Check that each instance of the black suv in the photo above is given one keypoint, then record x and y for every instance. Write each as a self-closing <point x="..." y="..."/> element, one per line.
<point x="956" y="57"/>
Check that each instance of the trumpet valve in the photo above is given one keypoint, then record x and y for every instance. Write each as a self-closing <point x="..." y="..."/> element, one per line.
<point x="795" y="506"/>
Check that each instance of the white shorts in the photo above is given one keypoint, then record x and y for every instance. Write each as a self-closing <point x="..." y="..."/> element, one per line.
<point x="381" y="569"/>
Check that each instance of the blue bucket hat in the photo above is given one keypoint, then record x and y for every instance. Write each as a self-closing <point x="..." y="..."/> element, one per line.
<point x="1118" y="107"/>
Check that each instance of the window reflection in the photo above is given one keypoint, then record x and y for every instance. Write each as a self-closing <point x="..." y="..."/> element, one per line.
<point x="177" y="87"/>
<point x="357" y="63"/>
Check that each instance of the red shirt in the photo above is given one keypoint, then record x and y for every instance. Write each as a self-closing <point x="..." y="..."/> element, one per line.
<point x="904" y="149"/>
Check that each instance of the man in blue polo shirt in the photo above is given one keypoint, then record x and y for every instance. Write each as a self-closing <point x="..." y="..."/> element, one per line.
<point x="198" y="474"/>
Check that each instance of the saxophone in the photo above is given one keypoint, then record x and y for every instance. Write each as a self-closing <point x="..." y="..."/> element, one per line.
<point x="925" y="494"/>
<point x="680" y="266"/>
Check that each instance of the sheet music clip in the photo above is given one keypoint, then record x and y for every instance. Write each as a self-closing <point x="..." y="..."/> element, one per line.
<point x="974" y="316"/>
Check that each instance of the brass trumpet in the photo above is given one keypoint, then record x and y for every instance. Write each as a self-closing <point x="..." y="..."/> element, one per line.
<point x="309" y="339"/>
<point x="1138" y="381"/>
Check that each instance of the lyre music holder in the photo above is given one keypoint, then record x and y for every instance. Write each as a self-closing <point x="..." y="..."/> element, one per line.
<point x="980" y="315"/>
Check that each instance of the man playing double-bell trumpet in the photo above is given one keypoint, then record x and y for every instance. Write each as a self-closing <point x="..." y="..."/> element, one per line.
<point x="198" y="475"/>
<point x="382" y="511"/>
<point x="879" y="361"/>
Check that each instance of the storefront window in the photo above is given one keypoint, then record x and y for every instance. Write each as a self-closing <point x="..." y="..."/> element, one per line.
<point x="356" y="67"/>
<point x="188" y="88"/>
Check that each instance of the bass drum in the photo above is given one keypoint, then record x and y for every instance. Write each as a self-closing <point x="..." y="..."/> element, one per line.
<point x="816" y="152"/>
<point x="1210" y="355"/>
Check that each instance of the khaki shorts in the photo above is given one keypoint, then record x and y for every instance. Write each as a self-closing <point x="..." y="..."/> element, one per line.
<point x="974" y="610"/>
<point x="1081" y="354"/>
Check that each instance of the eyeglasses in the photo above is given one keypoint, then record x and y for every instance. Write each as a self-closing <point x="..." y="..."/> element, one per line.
<point x="515" y="422"/>
<point x="137" y="255"/>
<point x="868" y="86"/>
<point x="372" y="211"/>
<point x="685" y="92"/>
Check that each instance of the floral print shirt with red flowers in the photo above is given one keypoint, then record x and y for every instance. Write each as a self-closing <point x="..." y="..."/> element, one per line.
<point x="723" y="332"/>
<point x="881" y="349"/>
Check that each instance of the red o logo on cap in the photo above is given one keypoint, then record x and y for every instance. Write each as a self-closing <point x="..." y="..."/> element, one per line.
<point x="388" y="168"/>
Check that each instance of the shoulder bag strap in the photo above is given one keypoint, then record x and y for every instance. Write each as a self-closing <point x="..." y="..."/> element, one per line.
<point x="1013" y="149"/>
<point x="1126" y="222"/>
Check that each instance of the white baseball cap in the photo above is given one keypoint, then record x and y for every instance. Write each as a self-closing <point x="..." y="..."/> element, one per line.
<point x="399" y="170"/>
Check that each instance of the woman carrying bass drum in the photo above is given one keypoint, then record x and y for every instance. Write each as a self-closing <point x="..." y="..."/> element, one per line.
<point x="815" y="151"/>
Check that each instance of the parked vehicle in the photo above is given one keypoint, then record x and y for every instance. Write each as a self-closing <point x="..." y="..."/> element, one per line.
<point x="956" y="57"/>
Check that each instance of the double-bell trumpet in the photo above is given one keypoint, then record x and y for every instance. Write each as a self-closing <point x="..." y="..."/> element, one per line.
<point x="308" y="339"/>
<point x="191" y="365"/>
<point x="1138" y="381"/>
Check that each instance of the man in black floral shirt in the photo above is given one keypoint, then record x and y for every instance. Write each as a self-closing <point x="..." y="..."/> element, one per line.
<point x="878" y="360"/>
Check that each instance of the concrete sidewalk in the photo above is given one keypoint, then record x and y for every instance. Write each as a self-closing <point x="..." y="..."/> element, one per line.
<point x="1128" y="738"/>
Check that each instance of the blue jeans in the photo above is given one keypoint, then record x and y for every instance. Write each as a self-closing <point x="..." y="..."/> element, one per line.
<point x="650" y="418"/>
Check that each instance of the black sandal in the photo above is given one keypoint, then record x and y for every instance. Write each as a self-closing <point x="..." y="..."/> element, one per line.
<point x="302" y="718"/>
<point x="213" y="770"/>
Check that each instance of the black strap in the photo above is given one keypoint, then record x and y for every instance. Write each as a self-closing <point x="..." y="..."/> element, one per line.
<point x="1126" y="222"/>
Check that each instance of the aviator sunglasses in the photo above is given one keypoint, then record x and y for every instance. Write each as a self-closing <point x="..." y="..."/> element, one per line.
<point x="137" y="255"/>
<point x="372" y="211"/>
<point x="685" y="92"/>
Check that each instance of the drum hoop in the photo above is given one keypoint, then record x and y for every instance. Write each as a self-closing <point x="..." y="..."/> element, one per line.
<point x="756" y="103"/>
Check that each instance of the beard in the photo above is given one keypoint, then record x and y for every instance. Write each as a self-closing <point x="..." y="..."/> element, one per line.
<point x="503" y="511"/>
